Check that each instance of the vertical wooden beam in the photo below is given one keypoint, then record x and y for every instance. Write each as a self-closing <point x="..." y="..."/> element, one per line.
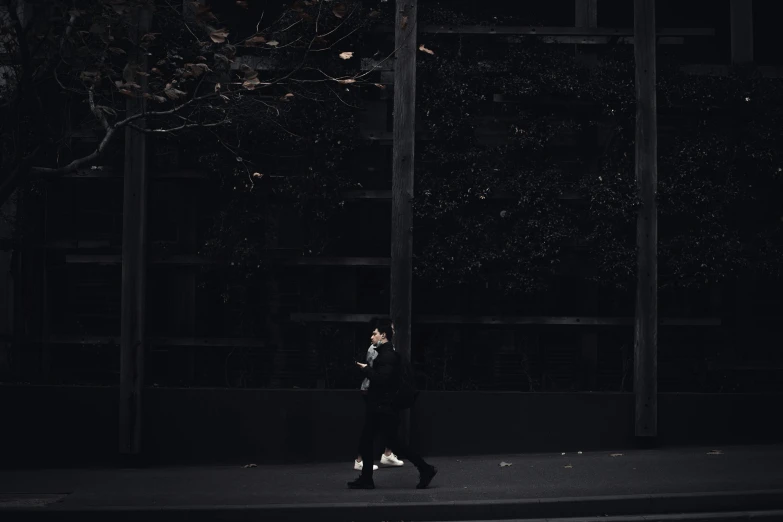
<point x="46" y="349"/>
<point x="402" y="171"/>
<point x="741" y="32"/>
<point x="646" y="323"/>
<point x="586" y="15"/>
<point x="590" y="342"/>
<point x="134" y="240"/>
<point x="404" y="132"/>
<point x="188" y="243"/>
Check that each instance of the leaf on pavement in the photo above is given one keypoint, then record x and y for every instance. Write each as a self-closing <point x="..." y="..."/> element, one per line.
<point x="505" y="464"/>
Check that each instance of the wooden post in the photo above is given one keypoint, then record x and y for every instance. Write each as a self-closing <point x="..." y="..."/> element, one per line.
<point x="46" y="349"/>
<point x="402" y="177"/>
<point x="586" y="15"/>
<point x="741" y="32"/>
<point x="646" y="323"/>
<point x="186" y="278"/>
<point x="134" y="249"/>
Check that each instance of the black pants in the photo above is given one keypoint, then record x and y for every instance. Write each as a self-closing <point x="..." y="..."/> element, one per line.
<point x="386" y="424"/>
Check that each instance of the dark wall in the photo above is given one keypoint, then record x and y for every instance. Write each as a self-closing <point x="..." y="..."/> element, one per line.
<point x="61" y="426"/>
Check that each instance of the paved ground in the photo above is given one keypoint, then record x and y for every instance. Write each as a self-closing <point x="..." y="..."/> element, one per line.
<point x="539" y="485"/>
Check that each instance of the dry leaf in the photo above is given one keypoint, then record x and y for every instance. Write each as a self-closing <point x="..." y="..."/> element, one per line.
<point x="255" y="40"/>
<point x="258" y="175"/>
<point x="504" y="464"/>
<point x="615" y="454"/>
<point x="346" y="81"/>
<point x="126" y="92"/>
<point x="251" y="83"/>
<point x="404" y="22"/>
<point x="173" y="94"/>
<point x="347" y="55"/>
<point x="197" y="69"/>
<point x="339" y="10"/>
<point x="380" y="85"/>
<point x="217" y="87"/>
<point x="374" y="14"/>
<point x="218" y="36"/>
<point x="273" y="43"/>
<point x="155" y="97"/>
<point x="428" y="51"/>
<point x="90" y="76"/>
<point x="288" y="96"/>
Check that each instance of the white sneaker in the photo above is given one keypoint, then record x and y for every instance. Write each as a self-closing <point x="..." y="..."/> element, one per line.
<point x="391" y="460"/>
<point x="359" y="465"/>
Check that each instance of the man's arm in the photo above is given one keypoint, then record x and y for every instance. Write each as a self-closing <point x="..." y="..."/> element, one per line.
<point x="382" y="369"/>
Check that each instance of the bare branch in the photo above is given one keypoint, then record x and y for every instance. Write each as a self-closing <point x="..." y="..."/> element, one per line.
<point x="292" y="25"/>
<point x="340" y="24"/>
<point x="335" y="42"/>
<point x="181" y="127"/>
<point x="111" y="130"/>
<point x="95" y="110"/>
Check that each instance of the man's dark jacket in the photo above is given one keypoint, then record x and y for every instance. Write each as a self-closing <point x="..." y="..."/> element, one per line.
<point x="384" y="375"/>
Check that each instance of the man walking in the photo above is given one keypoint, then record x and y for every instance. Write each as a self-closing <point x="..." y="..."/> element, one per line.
<point x="387" y="458"/>
<point x="381" y="415"/>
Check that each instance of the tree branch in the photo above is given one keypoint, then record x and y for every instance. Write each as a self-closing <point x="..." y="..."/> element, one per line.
<point x="111" y="131"/>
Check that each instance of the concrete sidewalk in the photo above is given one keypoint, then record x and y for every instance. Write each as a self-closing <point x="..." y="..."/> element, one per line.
<point x="534" y="486"/>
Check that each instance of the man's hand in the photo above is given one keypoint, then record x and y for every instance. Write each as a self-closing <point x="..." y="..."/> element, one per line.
<point x="361" y="365"/>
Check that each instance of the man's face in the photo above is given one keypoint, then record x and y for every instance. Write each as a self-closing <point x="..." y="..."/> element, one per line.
<point x="376" y="337"/>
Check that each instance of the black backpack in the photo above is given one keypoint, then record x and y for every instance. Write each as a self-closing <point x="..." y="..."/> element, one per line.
<point x="407" y="393"/>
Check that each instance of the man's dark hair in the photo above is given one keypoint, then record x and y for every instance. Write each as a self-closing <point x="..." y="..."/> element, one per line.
<point x="384" y="327"/>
